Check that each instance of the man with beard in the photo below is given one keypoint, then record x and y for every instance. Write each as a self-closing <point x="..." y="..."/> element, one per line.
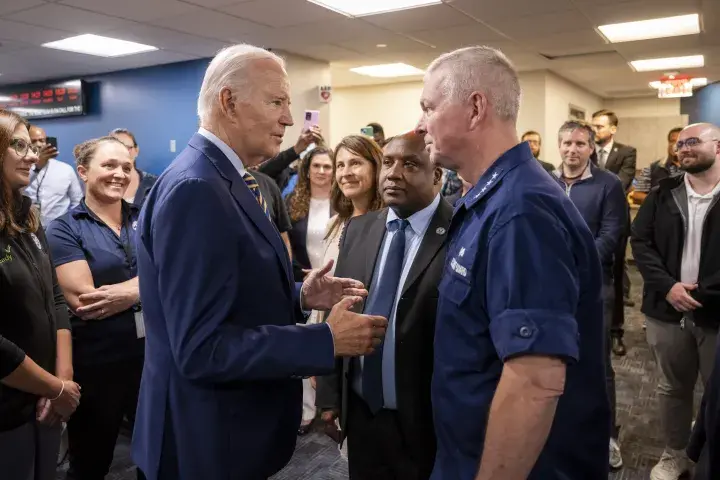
<point x="534" y="140"/>
<point x="674" y="241"/>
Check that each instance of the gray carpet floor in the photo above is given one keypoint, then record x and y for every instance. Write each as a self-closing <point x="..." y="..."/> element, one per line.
<point x="316" y="458"/>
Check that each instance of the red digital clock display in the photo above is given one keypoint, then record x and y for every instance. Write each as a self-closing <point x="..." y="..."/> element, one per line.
<point x="44" y="100"/>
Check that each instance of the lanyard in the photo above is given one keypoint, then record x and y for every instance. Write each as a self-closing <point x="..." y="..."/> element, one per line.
<point x="40" y="182"/>
<point x="127" y="241"/>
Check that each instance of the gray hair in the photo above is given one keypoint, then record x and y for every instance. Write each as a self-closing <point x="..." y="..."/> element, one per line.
<point x="229" y="68"/>
<point x="483" y="69"/>
<point x="572" y="125"/>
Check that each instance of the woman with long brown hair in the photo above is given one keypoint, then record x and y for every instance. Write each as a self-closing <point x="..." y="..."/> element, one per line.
<point x="310" y="210"/>
<point x="36" y="388"/>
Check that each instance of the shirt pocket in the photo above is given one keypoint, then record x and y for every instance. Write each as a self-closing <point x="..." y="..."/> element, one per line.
<point x="455" y="284"/>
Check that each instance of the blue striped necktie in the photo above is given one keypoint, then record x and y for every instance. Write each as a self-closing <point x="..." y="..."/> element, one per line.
<point x="255" y="189"/>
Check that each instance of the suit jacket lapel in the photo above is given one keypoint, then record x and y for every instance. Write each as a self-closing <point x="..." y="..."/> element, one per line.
<point x="432" y="242"/>
<point x="244" y="197"/>
<point x="612" y="157"/>
<point x="375" y="237"/>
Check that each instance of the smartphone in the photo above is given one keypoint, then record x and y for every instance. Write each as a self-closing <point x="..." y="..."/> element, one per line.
<point x="368" y="131"/>
<point x="312" y="118"/>
<point x="52" y="141"/>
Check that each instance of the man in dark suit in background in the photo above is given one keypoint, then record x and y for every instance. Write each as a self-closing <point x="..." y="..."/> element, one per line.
<point x="383" y="399"/>
<point x="221" y="391"/>
<point x="621" y="160"/>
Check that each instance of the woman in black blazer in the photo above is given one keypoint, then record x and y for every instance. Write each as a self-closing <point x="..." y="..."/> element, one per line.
<point x="310" y="210"/>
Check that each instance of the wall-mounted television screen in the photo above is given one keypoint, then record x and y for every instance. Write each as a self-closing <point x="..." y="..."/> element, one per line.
<point x="45" y="100"/>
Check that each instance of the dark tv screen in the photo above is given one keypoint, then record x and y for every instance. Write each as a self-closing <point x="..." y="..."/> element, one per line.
<point x="45" y="100"/>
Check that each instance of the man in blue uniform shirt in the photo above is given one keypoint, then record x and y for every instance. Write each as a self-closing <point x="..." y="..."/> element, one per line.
<point x="519" y="377"/>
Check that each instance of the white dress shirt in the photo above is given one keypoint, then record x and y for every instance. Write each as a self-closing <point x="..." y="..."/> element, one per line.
<point x="698" y="206"/>
<point x="55" y="189"/>
<point x="607" y="149"/>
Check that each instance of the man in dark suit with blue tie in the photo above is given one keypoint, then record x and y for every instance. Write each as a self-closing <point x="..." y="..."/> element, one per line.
<point x="221" y="393"/>
<point x="383" y="399"/>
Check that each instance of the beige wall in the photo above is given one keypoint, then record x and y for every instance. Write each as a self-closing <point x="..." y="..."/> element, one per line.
<point x="559" y="95"/>
<point x="643" y="107"/>
<point x="305" y="77"/>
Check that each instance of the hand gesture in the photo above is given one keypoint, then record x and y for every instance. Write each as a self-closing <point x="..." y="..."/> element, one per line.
<point x="47" y="152"/>
<point x="355" y="334"/>
<point x="321" y="292"/>
<point x="107" y="301"/>
<point x="67" y="400"/>
<point x="680" y="299"/>
<point x="45" y="414"/>
<point x="313" y="135"/>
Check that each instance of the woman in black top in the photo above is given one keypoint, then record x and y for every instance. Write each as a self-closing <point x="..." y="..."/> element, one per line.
<point x="34" y="327"/>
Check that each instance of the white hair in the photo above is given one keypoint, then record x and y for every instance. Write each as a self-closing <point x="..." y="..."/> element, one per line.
<point x="229" y="68"/>
<point x="481" y="69"/>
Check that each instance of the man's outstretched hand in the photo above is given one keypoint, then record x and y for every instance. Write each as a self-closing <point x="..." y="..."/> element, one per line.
<point x="355" y="334"/>
<point x="322" y="292"/>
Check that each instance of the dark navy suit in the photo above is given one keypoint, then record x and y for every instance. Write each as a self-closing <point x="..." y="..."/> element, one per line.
<point x="221" y="395"/>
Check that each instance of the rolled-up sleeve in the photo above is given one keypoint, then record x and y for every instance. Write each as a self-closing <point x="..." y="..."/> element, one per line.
<point x="532" y="289"/>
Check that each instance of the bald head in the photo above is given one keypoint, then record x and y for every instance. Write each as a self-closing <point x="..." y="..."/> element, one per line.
<point x="407" y="176"/>
<point x="698" y="147"/>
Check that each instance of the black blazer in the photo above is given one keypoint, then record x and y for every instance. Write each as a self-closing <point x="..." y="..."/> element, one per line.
<point x="298" y="243"/>
<point x="622" y="162"/>
<point x="415" y="322"/>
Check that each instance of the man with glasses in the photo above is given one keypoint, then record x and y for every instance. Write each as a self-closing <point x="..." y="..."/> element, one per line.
<point x="140" y="182"/>
<point x="54" y="187"/>
<point x="674" y="241"/>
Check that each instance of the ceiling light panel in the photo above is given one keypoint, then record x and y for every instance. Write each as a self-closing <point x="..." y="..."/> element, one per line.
<point x="388" y="70"/>
<point x="671" y="63"/>
<point x="655" y="28"/>
<point x="359" y="8"/>
<point x="97" y="45"/>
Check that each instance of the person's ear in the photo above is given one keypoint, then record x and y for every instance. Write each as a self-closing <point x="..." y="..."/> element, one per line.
<point x="479" y="103"/>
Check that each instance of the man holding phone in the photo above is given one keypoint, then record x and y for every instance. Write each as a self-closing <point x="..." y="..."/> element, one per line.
<point x="54" y="186"/>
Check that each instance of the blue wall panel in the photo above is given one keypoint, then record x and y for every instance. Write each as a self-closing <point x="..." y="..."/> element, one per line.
<point x="704" y="105"/>
<point x="157" y="104"/>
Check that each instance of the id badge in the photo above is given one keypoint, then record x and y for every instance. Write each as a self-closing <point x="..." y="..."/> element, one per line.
<point x="139" y="324"/>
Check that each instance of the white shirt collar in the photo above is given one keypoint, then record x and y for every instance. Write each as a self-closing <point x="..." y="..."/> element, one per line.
<point x="693" y="193"/>
<point x="225" y="149"/>
<point x="607" y="148"/>
<point x="420" y="220"/>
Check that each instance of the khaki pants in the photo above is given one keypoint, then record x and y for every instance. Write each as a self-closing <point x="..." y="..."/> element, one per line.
<point x="680" y="354"/>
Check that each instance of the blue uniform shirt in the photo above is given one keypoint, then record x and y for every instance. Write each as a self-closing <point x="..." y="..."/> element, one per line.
<point x="81" y="235"/>
<point x="522" y="276"/>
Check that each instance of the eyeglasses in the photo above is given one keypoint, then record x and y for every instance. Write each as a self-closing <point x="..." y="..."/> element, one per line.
<point x="22" y="147"/>
<point x="691" y="142"/>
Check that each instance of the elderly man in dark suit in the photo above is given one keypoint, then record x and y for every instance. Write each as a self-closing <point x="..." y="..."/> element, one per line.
<point x="383" y="399"/>
<point x="221" y="390"/>
<point x="621" y="160"/>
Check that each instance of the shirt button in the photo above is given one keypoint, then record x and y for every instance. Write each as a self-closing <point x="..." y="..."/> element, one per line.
<point x="525" y="332"/>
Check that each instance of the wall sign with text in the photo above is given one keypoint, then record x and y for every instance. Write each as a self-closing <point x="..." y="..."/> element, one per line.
<point x="45" y="100"/>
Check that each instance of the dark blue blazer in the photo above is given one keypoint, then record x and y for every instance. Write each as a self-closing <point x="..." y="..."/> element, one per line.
<point x="221" y="395"/>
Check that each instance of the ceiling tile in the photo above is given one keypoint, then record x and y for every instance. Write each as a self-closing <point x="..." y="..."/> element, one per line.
<point x="214" y="3"/>
<point x="396" y="44"/>
<point x="32" y="34"/>
<point x="542" y="25"/>
<point x="326" y="52"/>
<point x="140" y="10"/>
<point x="345" y="29"/>
<point x="169" y="40"/>
<point x="635" y="10"/>
<point x="425" y="18"/>
<point x="281" y="13"/>
<point x="67" y="18"/>
<point x="211" y="24"/>
<point x="575" y="43"/>
<point x="456" y="37"/>
<point x="13" y="7"/>
<point x="511" y="9"/>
